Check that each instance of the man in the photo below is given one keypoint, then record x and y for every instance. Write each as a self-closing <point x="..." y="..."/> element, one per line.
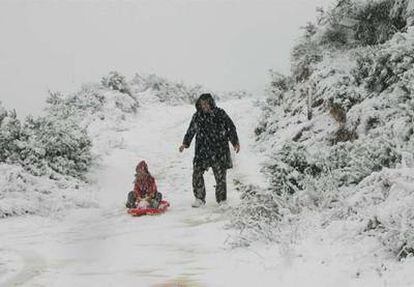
<point x="213" y="129"/>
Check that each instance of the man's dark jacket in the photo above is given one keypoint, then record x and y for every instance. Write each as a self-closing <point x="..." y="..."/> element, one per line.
<point x="213" y="131"/>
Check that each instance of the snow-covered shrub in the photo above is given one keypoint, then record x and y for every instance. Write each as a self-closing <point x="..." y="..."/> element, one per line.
<point x="3" y="112"/>
<point x="354" y="23"/>
<point x="381" y="67"/>
<point x="375" y="22"/>
<point x="23" y="193"/>
<point x="117" y="82"/>
<point x="61" y="146"/>
<point x="275" y="91"/>
<point x="91" y="101"/>
<point x="350" y="162"/>
<point x="75" y="106"/>
<point x="279" y="84"/>
<point x="339" y="140"/>
<point x="287" y="168"/>
<point x="10" y="134"/>
<point x="100" y="111"/>
<point x="232" y="95"/>
<point x="384" y="202"/>
<point x="164" y="90"/>
<point x="257" y="216"/>
<point x="295" y="169"/>
<point x="43" y="162"/>
<point x="88" y="99"/>
<point x="334" y="88"/>
<point x="304" y="56"/>
<point x="150" y="88"/>
<point x="45" y="146"/>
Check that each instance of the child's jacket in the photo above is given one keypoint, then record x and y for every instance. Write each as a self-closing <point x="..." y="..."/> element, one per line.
<point x="144" y="185"/>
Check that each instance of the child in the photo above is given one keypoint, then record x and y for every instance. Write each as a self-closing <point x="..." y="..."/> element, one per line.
<point x="145" y="193"/>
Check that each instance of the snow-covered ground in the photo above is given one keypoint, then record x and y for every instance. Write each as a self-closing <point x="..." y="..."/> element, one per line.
<point x="104" y="246"/>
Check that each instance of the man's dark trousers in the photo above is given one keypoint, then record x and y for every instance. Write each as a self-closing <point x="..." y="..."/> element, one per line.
<point x="199" y="188"/>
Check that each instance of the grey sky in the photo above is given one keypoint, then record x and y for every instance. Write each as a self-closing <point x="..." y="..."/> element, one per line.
<point x="224" y="45"/>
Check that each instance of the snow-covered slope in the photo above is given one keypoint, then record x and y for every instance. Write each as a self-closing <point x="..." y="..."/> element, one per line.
<point x="338" y="136"/>
<point x="105" y="246"/>
<point x="45" y="160"/>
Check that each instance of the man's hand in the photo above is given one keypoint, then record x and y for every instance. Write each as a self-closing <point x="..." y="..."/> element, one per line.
<point x="236" y="148"/>
<point x="182" y="147"/>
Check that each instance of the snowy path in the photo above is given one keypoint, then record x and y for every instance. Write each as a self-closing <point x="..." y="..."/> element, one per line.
<point x="107" y="247"/>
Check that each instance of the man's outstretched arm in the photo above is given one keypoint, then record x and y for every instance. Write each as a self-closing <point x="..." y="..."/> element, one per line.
<point x="189" y="135"/>
<point x="232" y="132"/>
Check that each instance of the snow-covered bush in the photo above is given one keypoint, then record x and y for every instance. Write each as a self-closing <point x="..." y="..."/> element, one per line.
<point x="257" y="216"/>
<point x="381" y="67"/>
<point x="10" y="133"/>
<point x="23" y="193"/>
<point x="164" y="90"/>
<point x="61" y="146"/>
<point x="367" y="22"/>
<point x="149" y="88"/>
<point x="287" y="168"/>
<point x="223" y="96"/>
<point x="338" y="132"/>
<point x="383" y="202"/>
<point x="117" y="82"/>
<point x="45" y="146"/>
<point x="304" y="56"/>
<point x="276" y="91"/>
<point x="3" y="112"/>
<point x="43" y="163"/>
<point x="331" y="86"/>
<point x="88" y="99"/>
<point x="350" y="162"/>
<point x="100" y="111"/>
<point x="90" y="102"/>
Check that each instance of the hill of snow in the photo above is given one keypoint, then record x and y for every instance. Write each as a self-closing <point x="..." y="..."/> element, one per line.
<point x="45" y="161"/>
<point x="338" y="134"/>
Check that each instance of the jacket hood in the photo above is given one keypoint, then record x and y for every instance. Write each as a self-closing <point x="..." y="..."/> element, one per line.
<point x="142" y="167"/>
<point x="205" y="97"/>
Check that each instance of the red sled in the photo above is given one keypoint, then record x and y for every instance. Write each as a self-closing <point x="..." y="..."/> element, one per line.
<point x="150" y="211"/>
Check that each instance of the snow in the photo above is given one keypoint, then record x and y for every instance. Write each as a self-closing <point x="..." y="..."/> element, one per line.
<point x="104" y="246"/>
<point x="108" y="246"/>
<point x="334" y="206"/>
<point x="23" y="193"/>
